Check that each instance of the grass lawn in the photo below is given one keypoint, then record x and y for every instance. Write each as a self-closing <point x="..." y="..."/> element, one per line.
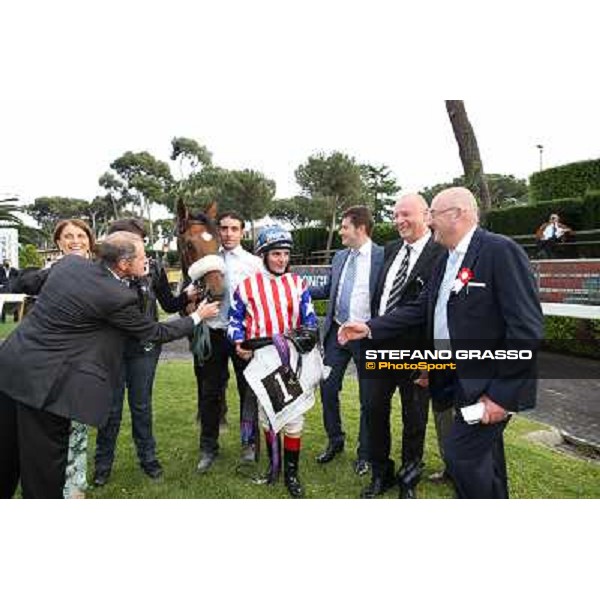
<point x="535" y="471"/>
<point x="6" y="328"/>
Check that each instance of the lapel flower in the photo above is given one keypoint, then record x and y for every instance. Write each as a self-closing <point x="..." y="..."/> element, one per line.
<point x="464" y="276"/>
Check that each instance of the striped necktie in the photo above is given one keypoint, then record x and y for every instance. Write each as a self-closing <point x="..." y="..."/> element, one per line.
<point x="343" y="313"/>
<point x="399" y="281"/>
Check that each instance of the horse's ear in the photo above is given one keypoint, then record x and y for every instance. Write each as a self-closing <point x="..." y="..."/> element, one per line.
<point x="182" y="214"/>
<point x="211" y="210"/>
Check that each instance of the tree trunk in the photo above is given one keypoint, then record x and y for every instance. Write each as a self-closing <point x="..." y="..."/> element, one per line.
<point x="332" y="224"/>
<point x="469" y="154"/>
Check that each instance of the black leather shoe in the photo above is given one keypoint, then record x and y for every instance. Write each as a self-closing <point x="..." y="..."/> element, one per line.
<point x="152" y="469"/>
<point x="361" y="467"/>
<point x="330" y="452"/>
<point x="409" y="476"/>
<point x="101" y="478"/>
<point x="407" y="493"/>
<point x="378" y="487"/>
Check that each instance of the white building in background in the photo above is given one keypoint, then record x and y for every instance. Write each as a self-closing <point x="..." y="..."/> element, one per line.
<point x="9" y="245"/>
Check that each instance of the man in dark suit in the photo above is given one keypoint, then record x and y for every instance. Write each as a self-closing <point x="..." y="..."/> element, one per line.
<point x="63" y="362"/>
<point x="482" y="295"/>
<point x="408" y="265"/>
<point x="350" y="290"/>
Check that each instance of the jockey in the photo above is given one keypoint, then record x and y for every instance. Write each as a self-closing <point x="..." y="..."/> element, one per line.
<point x="266" y="304"/>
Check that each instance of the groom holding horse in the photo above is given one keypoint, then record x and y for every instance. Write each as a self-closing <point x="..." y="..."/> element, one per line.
<point x="211" y="247"/>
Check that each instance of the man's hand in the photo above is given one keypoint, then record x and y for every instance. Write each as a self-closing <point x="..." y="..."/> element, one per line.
<point x="349" y="332"/>
<point x="422" y="380"/>
<point x="208" y="310"/>
<point x="493" y="412"/>
<point x="243" y="354"/>
<point x="191" y="291"/>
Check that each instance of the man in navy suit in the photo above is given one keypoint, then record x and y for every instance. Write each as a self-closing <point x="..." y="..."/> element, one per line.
<point x="350" y="290"/>
<point x="482" y="294"/>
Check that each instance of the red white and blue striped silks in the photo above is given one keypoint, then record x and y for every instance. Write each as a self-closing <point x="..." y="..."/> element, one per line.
<point x="264" y="305"/>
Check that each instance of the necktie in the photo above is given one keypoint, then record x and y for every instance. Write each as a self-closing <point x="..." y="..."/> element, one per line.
<point x="399" y="281"/>
<point x="343" y="313"/>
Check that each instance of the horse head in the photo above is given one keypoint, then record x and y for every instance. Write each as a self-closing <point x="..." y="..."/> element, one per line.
<point x="198" y="244"/>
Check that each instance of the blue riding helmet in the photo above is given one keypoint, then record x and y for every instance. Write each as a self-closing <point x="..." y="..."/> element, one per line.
<point x="273" y="237"/>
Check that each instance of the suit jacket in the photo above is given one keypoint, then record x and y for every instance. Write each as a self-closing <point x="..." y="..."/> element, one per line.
<point x="505" y="311"/>
<point x="66" y="355"/>
<point x="417" y="278"/>
<point x="6" y="278"/>
<point x="329" y="291"/>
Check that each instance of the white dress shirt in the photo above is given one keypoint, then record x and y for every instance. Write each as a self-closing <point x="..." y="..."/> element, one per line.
<point x="415" y="251"/>
<point x="440" y="318"/>
<point x="360" y="300"/>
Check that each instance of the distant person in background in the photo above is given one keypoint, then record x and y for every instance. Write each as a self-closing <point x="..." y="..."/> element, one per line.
<point x="71" y="236"/>
<point x="549" y="234"/>
<point x="7" y="274"/>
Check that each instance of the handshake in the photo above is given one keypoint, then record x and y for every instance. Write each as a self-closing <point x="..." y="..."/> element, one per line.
<point x="351" y="331"/>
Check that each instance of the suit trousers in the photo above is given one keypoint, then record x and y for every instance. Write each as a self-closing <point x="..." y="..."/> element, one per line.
<point x="35" y="445"/>
<point x="338" y="357"/>
<point x="475" y="461"/>
<point x="415" y="408"/>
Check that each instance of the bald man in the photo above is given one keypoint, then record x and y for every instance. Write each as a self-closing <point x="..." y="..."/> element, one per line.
<point x="407" y="267"/>
<point x="481" y="295"/>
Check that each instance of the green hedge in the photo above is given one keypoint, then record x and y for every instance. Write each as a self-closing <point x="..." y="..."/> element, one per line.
<point x="569" y="180"/>
<point x="572" y="336"/>
<point x="311" y="239"/>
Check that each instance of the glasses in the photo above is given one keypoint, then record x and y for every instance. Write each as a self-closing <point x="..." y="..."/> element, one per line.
<point x="436" y="213"/>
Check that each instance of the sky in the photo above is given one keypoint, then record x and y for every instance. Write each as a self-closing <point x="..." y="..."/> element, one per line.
<point x="266" y="84"/>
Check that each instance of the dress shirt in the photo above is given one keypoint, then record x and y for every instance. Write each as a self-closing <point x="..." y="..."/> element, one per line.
<point x="440" y="319"/>
<point x="415" y="251"/>
<point x="360" y="300"/>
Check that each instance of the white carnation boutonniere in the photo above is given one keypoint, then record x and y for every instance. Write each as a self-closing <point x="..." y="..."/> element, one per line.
<point x="464" y="276"/>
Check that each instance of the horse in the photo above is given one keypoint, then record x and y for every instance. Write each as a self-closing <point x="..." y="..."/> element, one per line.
<point x="197" y="242"/>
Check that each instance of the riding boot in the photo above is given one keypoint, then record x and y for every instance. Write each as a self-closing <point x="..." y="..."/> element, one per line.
<point x="291" y="458"/>
<point x="273" y="445"/>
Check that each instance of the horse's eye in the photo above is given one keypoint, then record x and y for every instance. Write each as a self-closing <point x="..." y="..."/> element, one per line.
<point x="190" y="246"/>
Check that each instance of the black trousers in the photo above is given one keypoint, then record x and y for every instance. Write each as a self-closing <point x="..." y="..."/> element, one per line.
<point x="415" y="409"/>
<point x="211" y="380"/>
<point x="474" y="456"/>
<point x="36" y="447"/>
<point x="9" y="447"/>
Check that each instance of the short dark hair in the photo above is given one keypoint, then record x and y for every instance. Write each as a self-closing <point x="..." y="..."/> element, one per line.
<point x="117" y="246"/>
<point x="132" y="225"/>
<point x="232" y="215"/>
<point x="359" y="215"/>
